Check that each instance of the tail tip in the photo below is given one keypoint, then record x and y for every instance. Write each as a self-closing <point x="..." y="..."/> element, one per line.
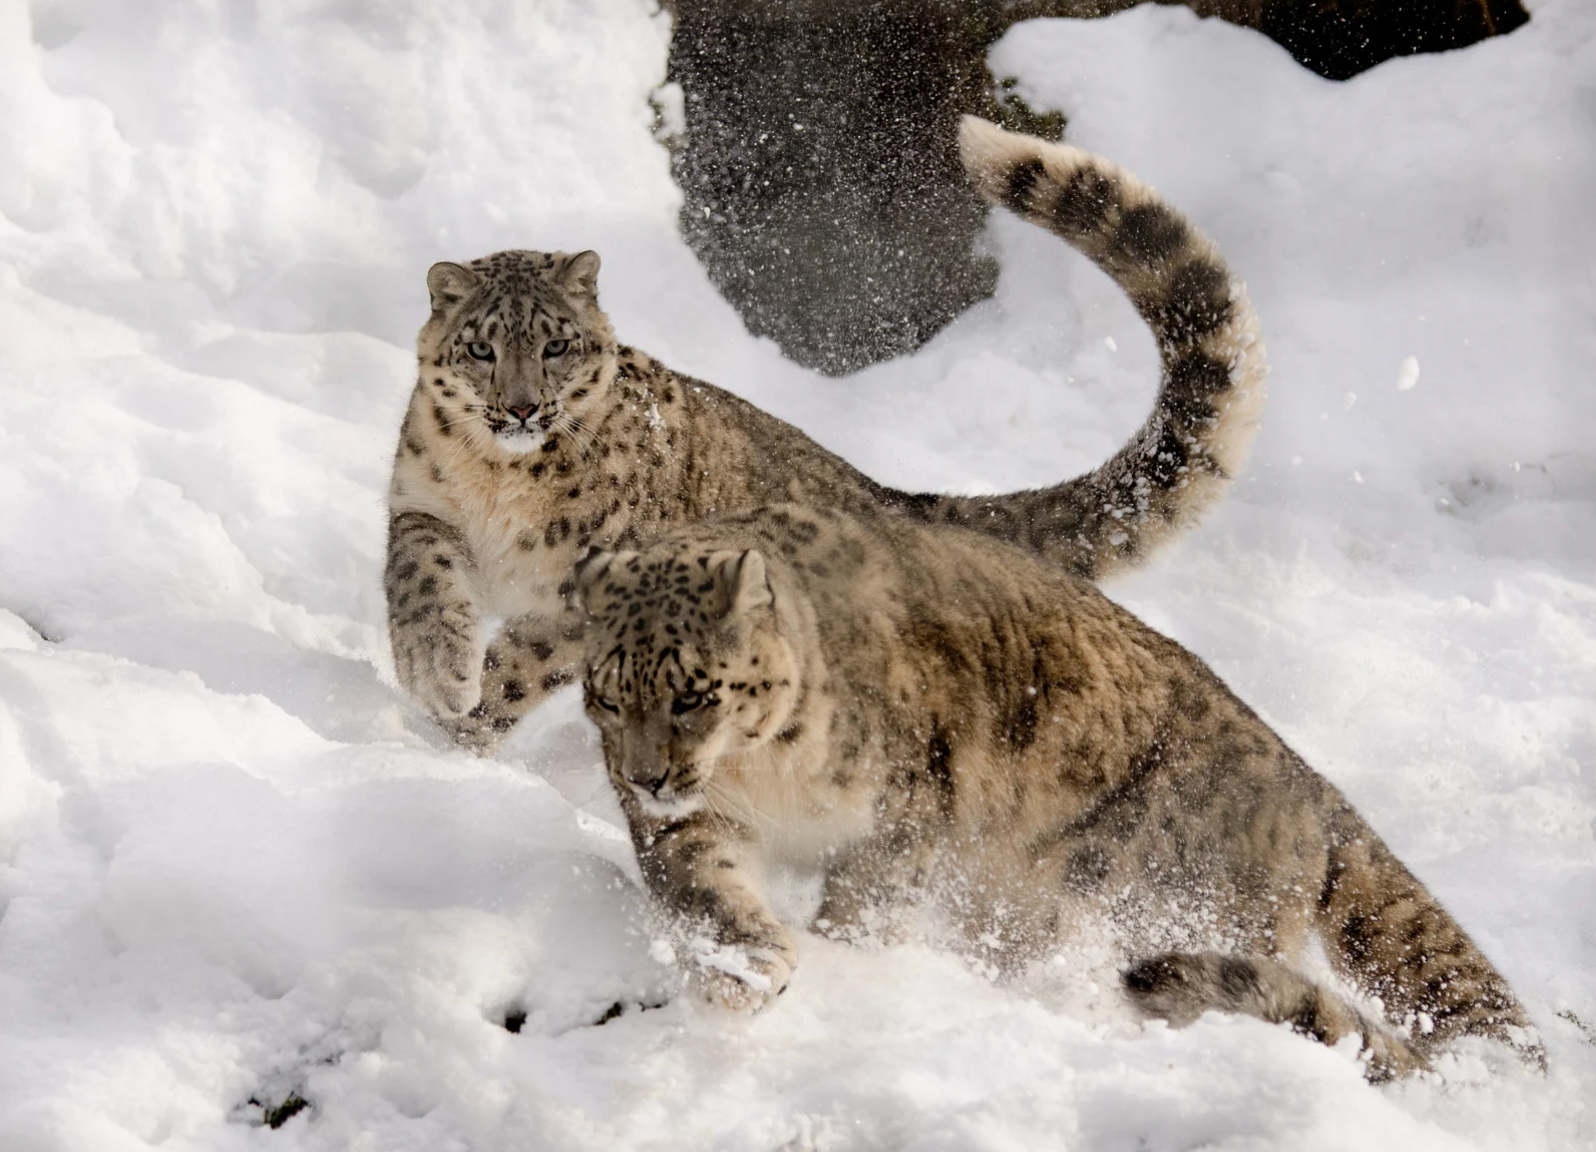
<point x="992" y="155"/>
<point x="985" y="149"/>
<point x="973" y="129"/>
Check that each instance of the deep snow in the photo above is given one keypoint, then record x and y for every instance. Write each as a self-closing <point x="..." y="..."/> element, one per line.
<point x="234" y="864"/>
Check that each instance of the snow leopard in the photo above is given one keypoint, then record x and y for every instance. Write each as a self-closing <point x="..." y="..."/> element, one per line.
<point x="532" y="435"/>
<point x="929" y="718"/>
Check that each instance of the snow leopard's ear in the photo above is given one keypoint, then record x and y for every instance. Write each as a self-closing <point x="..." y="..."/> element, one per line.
<point x="449" y="284"/>
<point x="743" y="584"/>
<point x="591" y="569"/>
<point x="580" y="272"/>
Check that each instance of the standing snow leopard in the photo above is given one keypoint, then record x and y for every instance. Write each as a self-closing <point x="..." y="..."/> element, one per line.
<point x="532" y="435"/>
<point x="923" y="715"/>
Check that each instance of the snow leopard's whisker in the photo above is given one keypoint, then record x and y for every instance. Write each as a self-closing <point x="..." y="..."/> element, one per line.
<point x="467" y="444"/>
<point x="572" y="426"/>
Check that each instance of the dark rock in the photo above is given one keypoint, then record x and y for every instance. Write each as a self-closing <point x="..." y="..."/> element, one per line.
<point x="822" y="187"/>
<point x="822" y="182"/>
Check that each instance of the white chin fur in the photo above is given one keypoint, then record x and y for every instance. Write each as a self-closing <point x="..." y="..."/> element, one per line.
<point x="668" y="807"/>
<point x="520" y="440"/>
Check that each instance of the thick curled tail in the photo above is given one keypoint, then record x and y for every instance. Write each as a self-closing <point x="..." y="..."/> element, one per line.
<point x="1212" y="390"/>
<point x="1181" y="986"/>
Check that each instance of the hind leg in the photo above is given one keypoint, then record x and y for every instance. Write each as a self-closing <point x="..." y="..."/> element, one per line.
<point x="1180" y="986"/>
<point x="1384" y="931"/>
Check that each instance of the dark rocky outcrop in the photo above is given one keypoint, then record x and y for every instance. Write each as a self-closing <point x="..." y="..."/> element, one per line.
<point x="822" y="190"/>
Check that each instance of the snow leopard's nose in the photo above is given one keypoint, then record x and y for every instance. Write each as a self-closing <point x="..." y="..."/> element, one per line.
<point x="649" y="776"/>
<point x="521" y="412"/>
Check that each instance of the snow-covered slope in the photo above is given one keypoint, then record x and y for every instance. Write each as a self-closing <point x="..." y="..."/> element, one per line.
<point x="235" y="865"/>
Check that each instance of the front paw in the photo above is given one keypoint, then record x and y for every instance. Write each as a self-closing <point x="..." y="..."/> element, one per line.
<point x="744" y="979"/>
<point x="442" y="673"/>
<point x="477" y="731"/>
<point x="452" y="696"/>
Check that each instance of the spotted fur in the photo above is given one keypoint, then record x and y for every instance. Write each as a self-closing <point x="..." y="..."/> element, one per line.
<point x="923" y="714"/>
<point x="1212" y="388"/>
<point x="532" y="435"/>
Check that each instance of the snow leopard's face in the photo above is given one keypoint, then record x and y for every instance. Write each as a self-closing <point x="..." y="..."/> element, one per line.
<point x="517" y="347"/>
<point x="685" y="667"/>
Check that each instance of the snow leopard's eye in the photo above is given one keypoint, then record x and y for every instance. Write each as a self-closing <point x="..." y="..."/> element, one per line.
<point x="686" y="702"/>
<point x="607" y="704"/>
<point x="556" y="347"/>
<point x="480" y="350"/>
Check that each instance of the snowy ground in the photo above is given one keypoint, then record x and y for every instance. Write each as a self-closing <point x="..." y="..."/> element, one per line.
<point x="235" y="865"/>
